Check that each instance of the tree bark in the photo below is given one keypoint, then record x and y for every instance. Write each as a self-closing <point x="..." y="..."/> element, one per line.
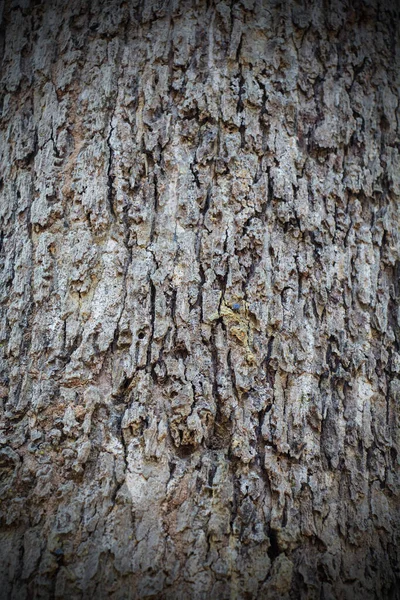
<point x="200" y="343"/>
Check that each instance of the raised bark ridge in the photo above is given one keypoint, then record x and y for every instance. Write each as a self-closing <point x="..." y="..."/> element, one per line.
<point x="199" y="300"/>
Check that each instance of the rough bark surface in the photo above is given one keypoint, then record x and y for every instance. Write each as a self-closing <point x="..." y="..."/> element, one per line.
<point x="200" y="336"/>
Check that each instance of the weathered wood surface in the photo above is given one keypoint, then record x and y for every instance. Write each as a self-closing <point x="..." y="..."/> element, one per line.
<point x="200" y="351"/>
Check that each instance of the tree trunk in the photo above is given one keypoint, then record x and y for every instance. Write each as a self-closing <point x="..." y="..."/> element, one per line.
<point x="200" y="300"/>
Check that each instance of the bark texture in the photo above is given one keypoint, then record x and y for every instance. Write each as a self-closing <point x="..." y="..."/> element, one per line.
<point x="200" y="335"/>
